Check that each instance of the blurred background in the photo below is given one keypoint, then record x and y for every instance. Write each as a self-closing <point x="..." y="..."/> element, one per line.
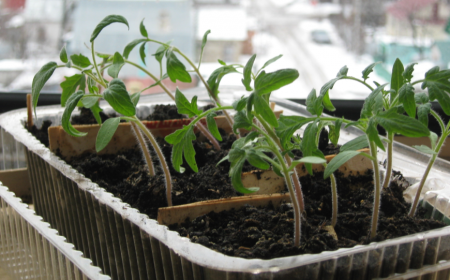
<point x="317" y="37"/>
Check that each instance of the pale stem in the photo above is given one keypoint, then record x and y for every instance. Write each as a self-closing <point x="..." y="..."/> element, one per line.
<point x="377" y="192"/>
<point x="388" y="175"/>
<point x="162" y="160"/>
<point x="144" y="149"/>
<point x="288" y="179"/>
<point x="297" y="213"/>
<point x="296" y="179"/>
<point x="334" y="198"/>
<point x="100" y="77"/>
<point x="297" y="184"/>
<point x="413" y="209"/>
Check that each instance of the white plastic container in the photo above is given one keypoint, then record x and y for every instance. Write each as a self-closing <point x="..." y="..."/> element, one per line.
<point x="129" y="245"/>
<point x="29" y="249"/>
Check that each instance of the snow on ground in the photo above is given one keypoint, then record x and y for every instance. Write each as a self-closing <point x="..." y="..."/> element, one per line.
<point x="332" y="57"/>
<point x="29" y="68"/>
<point x="309" y="8"/>
<point x="267" y="46"/>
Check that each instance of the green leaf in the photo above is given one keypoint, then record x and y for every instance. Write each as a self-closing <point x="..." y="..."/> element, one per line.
<point x="221" y="62"/>
<point x="342" y="72"/>
<point x="339" y="160"/>
<point x="358" y="143"/>
<point x="70" y="106"/>
<point x="105" y="133"/>
<point x="408" y="73"/>
<point x="175" y="69"/>
<point x="314" y="104"/>
<point x="39" y="81"/>
<point x="368" y="70"/>
<point x="335" y="131"/>
<point x="236" y="179"/>
<point x="250" y="102"/>
<point x="406" y="96"/>
<point x="239" y="105"/>
<point x="212" y="126"/>
<point x="421" y="97"/>
<point x="438" y="85"/>
<point x="135" y="98"/>
<point x="373" y="103"/>
<point x="423" y="110"/>
<point x="70" y="85"/>
<point x="309" y="145"/>
<point x="118" y="63"/>
<point x="287" y="126"/>
<point x="262" y="108"/>
<point x="241" y="121"/>
<point x="63" y="55"/>
<point x="255" y="158"/>
<point x="274" y="80"/>
<point x="89" y="101"/>
<point x="216" y="77"/>
<point x="310" y="159"/>
<point x="186" y="107"/>
<point x="396" y="123"/>
<point x="248" y="73"/>
<point x="270" y="61"/>
<point x="424" y="149"/>
<point x="132" y="45"/>
<point x="397" y="77"/>
<point x="142" y="53"/>
<point x="237" y="157"/>
<point x="142" y="29"/>
<point x="327" y="102"/>
<point x="107" y="21"/>
<point x="80" y="60"/>
<point x="204" y="40"/>
<point x="182" y="145"/>
<point x="117" y="96"/>
<point x="372" y="134"/>
<point x="159" y="54"/>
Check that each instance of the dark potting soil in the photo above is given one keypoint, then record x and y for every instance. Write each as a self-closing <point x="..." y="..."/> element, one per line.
<point x="164" y="112"/>
<point x="265" y="233"/>
<point x="126" y="176"/>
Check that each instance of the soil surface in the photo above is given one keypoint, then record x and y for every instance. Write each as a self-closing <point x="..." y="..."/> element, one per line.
<point x="267" y="233"/>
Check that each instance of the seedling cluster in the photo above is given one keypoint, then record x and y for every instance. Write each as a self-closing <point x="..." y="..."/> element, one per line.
<point x="269" y="141"/>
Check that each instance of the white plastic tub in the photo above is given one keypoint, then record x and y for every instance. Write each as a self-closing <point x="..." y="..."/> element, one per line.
<point x="129" y="245"/>
<point x="29" y="249"/>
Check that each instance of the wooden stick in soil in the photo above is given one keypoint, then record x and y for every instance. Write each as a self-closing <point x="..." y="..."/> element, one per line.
<point x="30" y="122"/>
<point x="161" y="158"/>
<point x="144" y="149"/>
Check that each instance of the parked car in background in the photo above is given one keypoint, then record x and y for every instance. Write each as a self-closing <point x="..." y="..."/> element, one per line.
<point x="320" y="37"/>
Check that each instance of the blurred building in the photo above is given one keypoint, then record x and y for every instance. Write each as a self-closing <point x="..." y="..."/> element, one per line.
<point x="164" y="20"/>
<point x="417" y="19"/>
<point x="228" y="25"/>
